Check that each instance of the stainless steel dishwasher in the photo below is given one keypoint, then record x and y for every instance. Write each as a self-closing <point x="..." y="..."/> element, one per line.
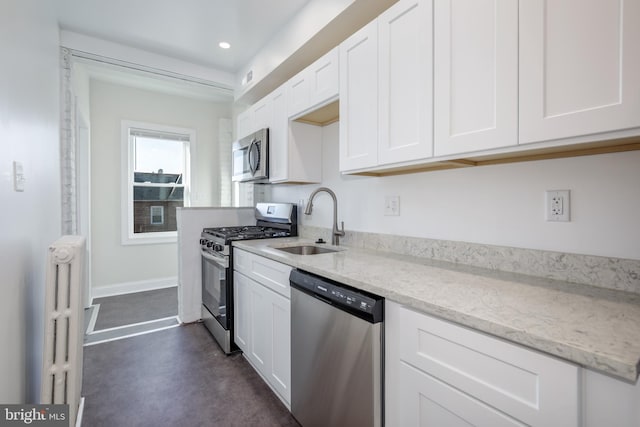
<point x="337" y="342"/>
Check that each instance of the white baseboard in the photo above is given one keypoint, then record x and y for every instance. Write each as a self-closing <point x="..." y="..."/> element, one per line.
<point x="131" y="287"/>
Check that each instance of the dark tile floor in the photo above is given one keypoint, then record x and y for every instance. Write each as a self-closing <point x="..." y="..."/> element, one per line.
<point x="137" y="307"/>
<point x="175" y="377"/>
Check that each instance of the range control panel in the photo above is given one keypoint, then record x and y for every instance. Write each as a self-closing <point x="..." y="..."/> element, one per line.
<point x="339" y="295"/>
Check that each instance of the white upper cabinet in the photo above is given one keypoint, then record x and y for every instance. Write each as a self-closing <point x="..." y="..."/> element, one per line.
<point x="386" y="89"/>
<point x="295" y="149"/>
<point x="324" y="78"/>
<point x="256" y="117"/>
<point x="278" y="136"/>
<point x="261" y="113"/>
<point x="405" y="67"/>
<point x="298" y="93"/>
<point x="244" y="124"/>
<point x="314" y="85"/>
<point x="476" y="75"/>
<point x="579" y="67"/>
<point x="359" y="99"/>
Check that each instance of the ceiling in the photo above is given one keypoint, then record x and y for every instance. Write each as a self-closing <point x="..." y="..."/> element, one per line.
<point x="189" y="30"/>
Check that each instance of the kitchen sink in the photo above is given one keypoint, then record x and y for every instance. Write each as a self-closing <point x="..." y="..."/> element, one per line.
<point x="306" y="250"/>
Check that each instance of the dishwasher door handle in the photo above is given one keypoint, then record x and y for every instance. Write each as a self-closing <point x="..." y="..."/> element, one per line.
<point x="323" y="299"/>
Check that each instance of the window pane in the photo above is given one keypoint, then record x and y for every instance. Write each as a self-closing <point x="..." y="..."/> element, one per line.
<point x="159" y="156"/>
<point x="158" y="182"/>
<point x="147" y="201"/>
<point x="157" y="178"/>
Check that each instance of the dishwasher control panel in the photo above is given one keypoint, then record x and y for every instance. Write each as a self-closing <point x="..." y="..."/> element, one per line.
<point x="332" y="292"/>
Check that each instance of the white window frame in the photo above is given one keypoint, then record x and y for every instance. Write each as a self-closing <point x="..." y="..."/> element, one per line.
<point x="128" y="237"/>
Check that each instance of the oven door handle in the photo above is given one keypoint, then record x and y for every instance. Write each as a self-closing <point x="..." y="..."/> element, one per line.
<point x="221" y="261"/>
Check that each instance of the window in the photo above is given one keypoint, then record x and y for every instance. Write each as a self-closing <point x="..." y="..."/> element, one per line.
<point x="157" y="215"/>
<point x="156" y="165"/>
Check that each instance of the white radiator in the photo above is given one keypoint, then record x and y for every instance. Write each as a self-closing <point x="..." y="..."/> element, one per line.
<point x="64" y="321"/>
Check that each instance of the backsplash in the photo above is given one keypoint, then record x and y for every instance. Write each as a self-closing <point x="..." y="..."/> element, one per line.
<point x="610" y="273"/>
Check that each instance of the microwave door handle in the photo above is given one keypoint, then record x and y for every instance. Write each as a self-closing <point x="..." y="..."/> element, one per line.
<point x="252" y="167"/>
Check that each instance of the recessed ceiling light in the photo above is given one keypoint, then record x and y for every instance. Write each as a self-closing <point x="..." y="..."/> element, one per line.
<point x="224" y="45"/>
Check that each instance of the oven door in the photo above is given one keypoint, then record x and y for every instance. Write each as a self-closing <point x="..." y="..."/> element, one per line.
<point x="216" y="293"/>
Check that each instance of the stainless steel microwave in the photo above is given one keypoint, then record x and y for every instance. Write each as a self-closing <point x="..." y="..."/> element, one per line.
<point x="250" y="157"/>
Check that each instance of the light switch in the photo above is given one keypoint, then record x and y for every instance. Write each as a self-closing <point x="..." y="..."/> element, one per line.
<point x="18" y="177"/>
<point x="392" y="205"/>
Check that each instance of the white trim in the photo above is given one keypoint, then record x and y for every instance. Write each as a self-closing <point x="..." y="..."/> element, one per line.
<point x="131" y="335"/>
<point x="127" y="237"/>
<point x="80" y="413"/>
<point x="94" y="318"/>
<point x="83" y="177"/>
<point x="84" y="46"/>
<point x="146" y="322"/>
<point x="131" y="287"/>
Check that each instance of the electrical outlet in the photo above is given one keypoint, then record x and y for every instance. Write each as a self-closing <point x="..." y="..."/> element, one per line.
<point x="557" y="205"/>
<point x="392" y="205"/>
<point x="18" y="177"/>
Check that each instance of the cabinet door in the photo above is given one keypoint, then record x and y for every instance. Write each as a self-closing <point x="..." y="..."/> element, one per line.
<point x="436" y="369"/>
<point x="405" y="64"/>
<point x="241" y="311"/>
<point x="429" y="402"/>
<point x="244" y="124"/>
<point x="314" y="85"/>
<point x="278" y="137"/>
<point x="475" y="75"/>
<point x="280" y="322"/>
<point x="579" y="67"/>
<point x="298" y="93"/>
<point x="261" y="114"/>
<point x="608" y="401"/>
<point x="324" y="78"/>
<point x="359" y="99"/>
<point x="260" y="341"/>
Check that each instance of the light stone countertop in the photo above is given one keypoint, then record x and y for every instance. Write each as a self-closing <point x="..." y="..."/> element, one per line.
<point x="593" y="327"/>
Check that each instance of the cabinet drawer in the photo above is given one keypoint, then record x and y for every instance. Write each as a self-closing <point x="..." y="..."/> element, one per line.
<point x="272" y="274"/>
<point x="522" y="384"/>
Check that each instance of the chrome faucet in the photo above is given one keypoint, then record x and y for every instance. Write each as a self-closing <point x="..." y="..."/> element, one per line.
<point x="336" y="232"/>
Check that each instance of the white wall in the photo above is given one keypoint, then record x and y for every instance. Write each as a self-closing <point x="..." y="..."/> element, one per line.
<point x="112" y="263"/>
<point x="29" y="221"/>
<point x="311" y="19"/>
<point x="498" y="205"/>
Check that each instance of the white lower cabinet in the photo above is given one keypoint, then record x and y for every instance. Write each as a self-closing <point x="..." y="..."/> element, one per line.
<point x="608" y="401"/>
<point x="262" y="325"/>
<point x="241" y="310"/>
<point x="442" y="374"/>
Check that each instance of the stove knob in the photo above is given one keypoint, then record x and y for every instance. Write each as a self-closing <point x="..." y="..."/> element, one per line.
<point x="218" y="248"/>
<point x="209" y="244"/>
<point x="202" y="241"/>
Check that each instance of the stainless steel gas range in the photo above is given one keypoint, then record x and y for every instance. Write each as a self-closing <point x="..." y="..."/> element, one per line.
<point x="272" y="220"/>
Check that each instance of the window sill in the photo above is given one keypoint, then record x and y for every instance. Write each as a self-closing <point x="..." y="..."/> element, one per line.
<point x="151" y="238"/>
